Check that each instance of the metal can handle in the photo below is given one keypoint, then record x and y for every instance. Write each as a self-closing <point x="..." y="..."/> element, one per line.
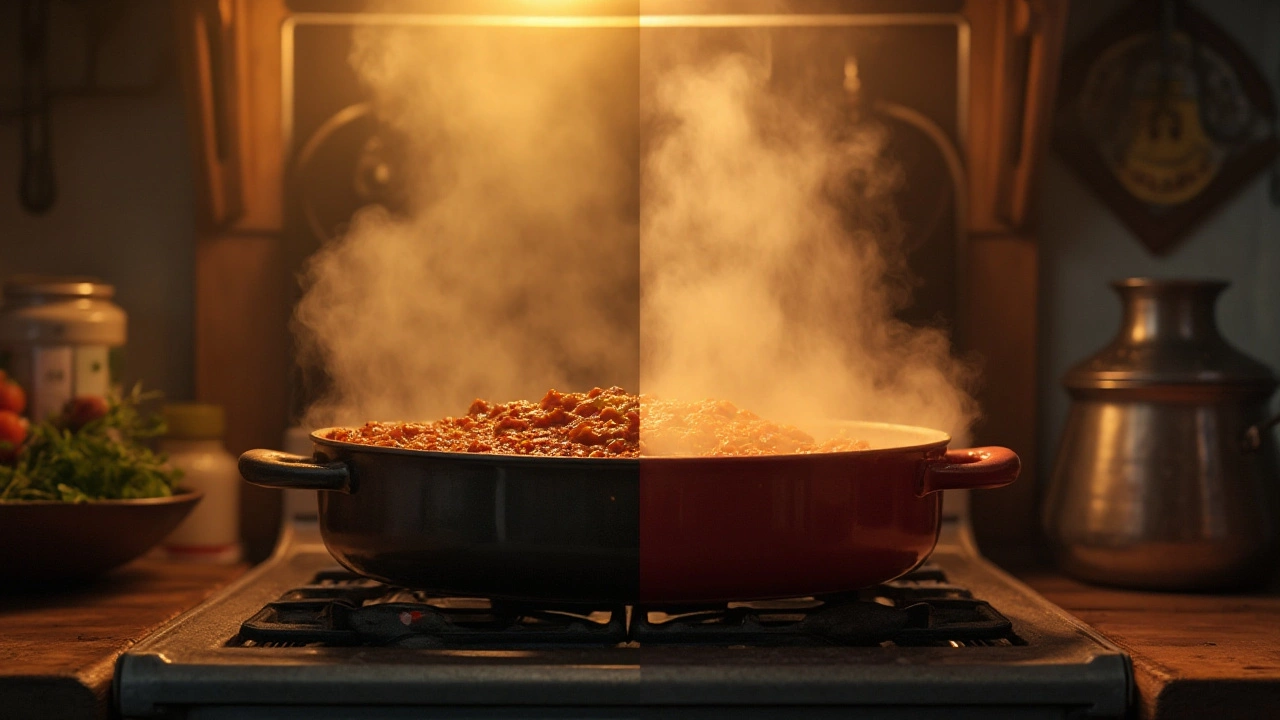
<point x="1253" y="436"/>
<point x="970" y="469"/>
<point x="272" y="468"/>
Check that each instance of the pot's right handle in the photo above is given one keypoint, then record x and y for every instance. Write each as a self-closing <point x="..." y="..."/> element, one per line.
<point x="272" y="468"/>
<point x="981" y="467"/>
<point x="1252" y="440"/>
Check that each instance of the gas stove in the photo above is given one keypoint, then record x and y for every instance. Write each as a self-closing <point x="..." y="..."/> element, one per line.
<point x="297" y="637"/>
<point x="338" y="608"/>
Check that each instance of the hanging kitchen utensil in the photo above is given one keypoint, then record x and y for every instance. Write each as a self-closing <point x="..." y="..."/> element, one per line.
<point x="1166" y="477"/>
<point x="1165" y="117"/>
<point x="37" y="187"/>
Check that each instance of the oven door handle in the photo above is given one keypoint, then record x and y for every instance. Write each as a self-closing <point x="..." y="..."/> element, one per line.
<point x="275" y="469"/>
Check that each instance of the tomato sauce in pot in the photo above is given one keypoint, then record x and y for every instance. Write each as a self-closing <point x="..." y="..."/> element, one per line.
<point x="601" y="423"/>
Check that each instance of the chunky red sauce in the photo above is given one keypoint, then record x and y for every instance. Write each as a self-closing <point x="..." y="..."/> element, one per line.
<point x="718" y="427"/>
<point x="599" y="423"/>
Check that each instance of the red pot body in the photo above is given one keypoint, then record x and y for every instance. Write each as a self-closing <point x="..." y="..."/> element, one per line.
<point x="765" y="527"/>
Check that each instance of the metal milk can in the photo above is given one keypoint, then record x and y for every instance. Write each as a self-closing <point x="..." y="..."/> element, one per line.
<point x="1166" y="475"/>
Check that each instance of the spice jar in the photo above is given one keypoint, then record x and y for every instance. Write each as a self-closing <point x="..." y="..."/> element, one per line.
<point x="193" y="443"/>
<point x="60" y="337"/>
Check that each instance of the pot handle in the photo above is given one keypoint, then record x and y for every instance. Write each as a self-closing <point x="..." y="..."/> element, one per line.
<point x="1252" y="441"/>
<point x="272" y="468"/>
<point x="981" y="467"/>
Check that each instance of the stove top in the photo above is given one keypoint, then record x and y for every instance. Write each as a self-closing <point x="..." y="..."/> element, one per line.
<point x="338" y="608"/>
<point x="298" y="638"/>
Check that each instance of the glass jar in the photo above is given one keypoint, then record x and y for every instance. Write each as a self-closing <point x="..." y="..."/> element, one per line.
<point x="60" y="337"/>
<point x="193" y="443"/>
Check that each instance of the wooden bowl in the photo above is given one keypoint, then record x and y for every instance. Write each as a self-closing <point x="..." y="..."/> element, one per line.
<point x="50" y="541"/>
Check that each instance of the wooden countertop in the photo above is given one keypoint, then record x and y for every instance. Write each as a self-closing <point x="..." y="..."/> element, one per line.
<point x="58" y="646"/>
<point x="1194" y="656"/>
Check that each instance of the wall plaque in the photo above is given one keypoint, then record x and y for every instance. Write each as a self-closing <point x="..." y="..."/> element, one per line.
<point x="1165" y="117"/>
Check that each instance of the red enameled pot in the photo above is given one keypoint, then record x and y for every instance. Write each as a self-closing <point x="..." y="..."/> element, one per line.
<point x="652" y="530"/>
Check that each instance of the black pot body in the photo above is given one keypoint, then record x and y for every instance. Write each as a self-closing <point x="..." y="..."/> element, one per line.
<point x="487" y="525"/>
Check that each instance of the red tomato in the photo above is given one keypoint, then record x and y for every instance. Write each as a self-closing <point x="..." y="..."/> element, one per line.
<point x="82" y="410"/>
<point x="13" y="432"/>
<point x="12" y="398"/>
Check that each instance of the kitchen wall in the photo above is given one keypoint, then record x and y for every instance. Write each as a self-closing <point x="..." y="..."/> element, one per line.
<point x="1084" y="246"/>
<point x="124" y="208"/>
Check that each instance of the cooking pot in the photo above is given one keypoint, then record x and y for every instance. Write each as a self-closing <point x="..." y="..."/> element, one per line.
<point x="647" y="530"/>
<point x="1166" y="475"/>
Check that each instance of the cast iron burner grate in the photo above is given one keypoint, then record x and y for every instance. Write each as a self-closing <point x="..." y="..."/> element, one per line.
<point x="340" y="608"/>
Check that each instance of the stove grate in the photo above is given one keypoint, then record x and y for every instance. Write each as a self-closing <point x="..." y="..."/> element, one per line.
<point x="439" y="622"/>
<point x="339" y="608"/>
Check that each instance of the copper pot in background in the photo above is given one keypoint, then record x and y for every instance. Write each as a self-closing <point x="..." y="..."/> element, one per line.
<point x="1166" y="475"/>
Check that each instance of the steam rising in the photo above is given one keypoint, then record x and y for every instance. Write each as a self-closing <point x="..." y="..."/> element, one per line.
<point x="763" y="264"/>
<point x="771" y="257"/>
<point x="515" y="266"/>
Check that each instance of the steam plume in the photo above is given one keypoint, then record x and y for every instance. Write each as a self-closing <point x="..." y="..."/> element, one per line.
<point x="771" y="255"/>
<point x="755" y="255"/>
<point x="515" y="266"/>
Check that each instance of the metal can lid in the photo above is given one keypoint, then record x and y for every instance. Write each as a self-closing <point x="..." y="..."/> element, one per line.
<point x="27" y="287"/>
<point x="1168" y="337"/>
<point x="194" y="421"/>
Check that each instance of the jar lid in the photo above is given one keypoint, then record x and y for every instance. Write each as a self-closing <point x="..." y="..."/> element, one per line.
<point x="194" y="421"/>
<point x="28" y="286"/>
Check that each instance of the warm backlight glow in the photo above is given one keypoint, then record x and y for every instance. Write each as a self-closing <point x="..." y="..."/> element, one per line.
<point x="650" y="209"/>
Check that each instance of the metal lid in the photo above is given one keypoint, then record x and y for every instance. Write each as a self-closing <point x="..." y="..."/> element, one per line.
<point x="1169" y="336"/>
<point x="33" y="286"/>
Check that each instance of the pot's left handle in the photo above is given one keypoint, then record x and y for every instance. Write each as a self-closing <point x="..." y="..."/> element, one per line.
<point x="981" y="467"/>
<point x="272" y="468"/>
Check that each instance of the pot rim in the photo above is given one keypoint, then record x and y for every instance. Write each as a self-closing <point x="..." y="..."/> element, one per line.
<point x="1162" y="283"/>
<point x="940" y="440"/>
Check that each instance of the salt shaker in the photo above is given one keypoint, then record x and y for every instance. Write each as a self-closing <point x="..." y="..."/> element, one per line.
<point x="211" y="533"/>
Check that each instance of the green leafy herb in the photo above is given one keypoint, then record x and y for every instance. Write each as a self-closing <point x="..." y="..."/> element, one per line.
<point x="104" y="459"/>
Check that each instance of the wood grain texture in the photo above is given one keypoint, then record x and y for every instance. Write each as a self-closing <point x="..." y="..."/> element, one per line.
<point x="58" y="646"/>
<point x="1194" y="656"/>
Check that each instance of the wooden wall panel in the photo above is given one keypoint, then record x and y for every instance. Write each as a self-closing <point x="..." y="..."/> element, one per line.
<point x="243" y="290"/>
<point x="260" y="110"/>
<point x="242" y="357"/>
<point x="1014" y="68"/>
<point x="1015" y="59"/>
<point x="1002" y="308"/>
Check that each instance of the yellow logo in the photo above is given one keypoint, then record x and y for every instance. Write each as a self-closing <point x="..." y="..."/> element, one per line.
<point x="1170" y="158"/>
